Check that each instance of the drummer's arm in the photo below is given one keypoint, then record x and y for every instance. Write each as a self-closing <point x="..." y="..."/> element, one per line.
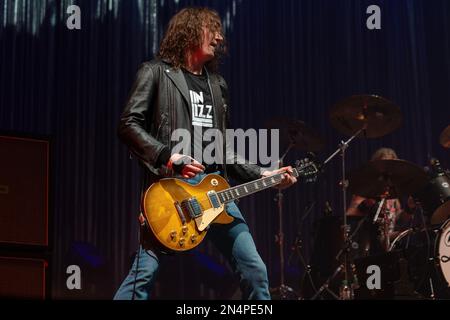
<point x="353" y="208"/>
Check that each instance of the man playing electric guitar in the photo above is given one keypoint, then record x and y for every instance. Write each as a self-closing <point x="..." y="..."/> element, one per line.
<point x="165" y="97"/>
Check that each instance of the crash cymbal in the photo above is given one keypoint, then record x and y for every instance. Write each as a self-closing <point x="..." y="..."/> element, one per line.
<point x="444" y="139"/>
<point x="397" y="177"/>
<point x="378" y="115"/>
<point x="298" y="133"/>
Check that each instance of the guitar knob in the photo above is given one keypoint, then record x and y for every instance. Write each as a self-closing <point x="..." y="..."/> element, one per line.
<point x="173" y="236"/>
<point x="181" y="242"/>
<point x="184" y="230"/>
<point x="193" y="238"/>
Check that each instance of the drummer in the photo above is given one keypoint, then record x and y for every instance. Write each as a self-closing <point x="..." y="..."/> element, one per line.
<point x="394" y="219"/>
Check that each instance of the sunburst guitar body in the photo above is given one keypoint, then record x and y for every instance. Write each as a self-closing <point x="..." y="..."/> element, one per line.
<point x="179" y="214"/>
<point x="168" y="211"/>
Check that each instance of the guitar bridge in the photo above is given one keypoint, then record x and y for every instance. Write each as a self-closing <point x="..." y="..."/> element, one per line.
<point x="180" y="212"/>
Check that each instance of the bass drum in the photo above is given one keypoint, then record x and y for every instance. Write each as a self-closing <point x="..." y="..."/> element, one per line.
<point x="428" y="253"/>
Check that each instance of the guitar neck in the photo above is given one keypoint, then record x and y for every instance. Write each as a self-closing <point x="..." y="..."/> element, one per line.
<point x="249" y="188"/>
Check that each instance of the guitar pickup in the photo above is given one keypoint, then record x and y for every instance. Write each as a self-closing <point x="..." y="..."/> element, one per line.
<point x="192" y="207"/>
<point x="213" y="199"/>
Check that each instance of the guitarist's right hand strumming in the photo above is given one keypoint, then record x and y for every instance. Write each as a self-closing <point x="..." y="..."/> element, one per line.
<point x="186" y="166"/>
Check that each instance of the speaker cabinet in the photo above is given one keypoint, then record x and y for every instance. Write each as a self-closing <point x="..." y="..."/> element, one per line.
<point x="24" y="176"/>
<point x="23" y="278"/>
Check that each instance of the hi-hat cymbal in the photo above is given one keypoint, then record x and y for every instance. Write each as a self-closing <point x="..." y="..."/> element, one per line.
<point x="444" y="139"/>
<point x="298" y="133"/>
<point x="396" y="177"/>
<point x="378" y="115"/>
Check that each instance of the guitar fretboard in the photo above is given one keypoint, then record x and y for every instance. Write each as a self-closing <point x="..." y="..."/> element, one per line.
<point x="248" y="188"/>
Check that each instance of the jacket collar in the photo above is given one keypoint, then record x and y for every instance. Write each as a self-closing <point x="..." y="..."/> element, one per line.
<point x="177" y="77"/>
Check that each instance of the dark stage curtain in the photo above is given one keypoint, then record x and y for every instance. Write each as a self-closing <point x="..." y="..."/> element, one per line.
<point x="291" y="58"/>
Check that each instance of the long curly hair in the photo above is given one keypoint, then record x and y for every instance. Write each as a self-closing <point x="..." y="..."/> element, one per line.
<point x="185" y="33"/>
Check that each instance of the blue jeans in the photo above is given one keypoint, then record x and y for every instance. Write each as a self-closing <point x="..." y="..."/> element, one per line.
<point x="235" y="243"/>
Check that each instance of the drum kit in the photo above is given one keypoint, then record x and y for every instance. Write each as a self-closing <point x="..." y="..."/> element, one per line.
<point x="418" y="254"/>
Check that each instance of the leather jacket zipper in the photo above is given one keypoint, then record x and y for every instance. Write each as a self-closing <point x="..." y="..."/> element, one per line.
<point x="163" y="121"/>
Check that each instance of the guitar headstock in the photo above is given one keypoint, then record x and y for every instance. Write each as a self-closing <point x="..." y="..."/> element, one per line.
<point x="308" y="169"/>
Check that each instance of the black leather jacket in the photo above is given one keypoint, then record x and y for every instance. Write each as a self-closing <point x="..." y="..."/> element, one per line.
<point x="157" y="105"/>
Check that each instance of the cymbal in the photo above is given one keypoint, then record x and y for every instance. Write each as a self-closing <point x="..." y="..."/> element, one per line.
<point x="396" y="177"/>
<point x="298" y="133"/>
<point x="444" y="139"/>
<point x="379" y="115"/>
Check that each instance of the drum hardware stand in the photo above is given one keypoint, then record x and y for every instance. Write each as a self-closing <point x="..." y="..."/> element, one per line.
<point x="326" y="284"/>
<point x="283" y="289"/>
<point x="432" y="296"/>
<point x="346" y="290"/>
<point x="346" y="248"/>
<point x="430" y="259"/>
<point x="297" y="249"/>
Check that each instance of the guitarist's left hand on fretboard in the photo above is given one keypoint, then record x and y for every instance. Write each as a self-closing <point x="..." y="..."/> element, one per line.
<point x="288" y="179"/>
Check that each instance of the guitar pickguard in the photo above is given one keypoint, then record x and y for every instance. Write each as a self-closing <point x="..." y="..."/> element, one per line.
<point x="207" y="217"/>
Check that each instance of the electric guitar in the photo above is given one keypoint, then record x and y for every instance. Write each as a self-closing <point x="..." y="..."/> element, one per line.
<point x="179" y="213"/>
